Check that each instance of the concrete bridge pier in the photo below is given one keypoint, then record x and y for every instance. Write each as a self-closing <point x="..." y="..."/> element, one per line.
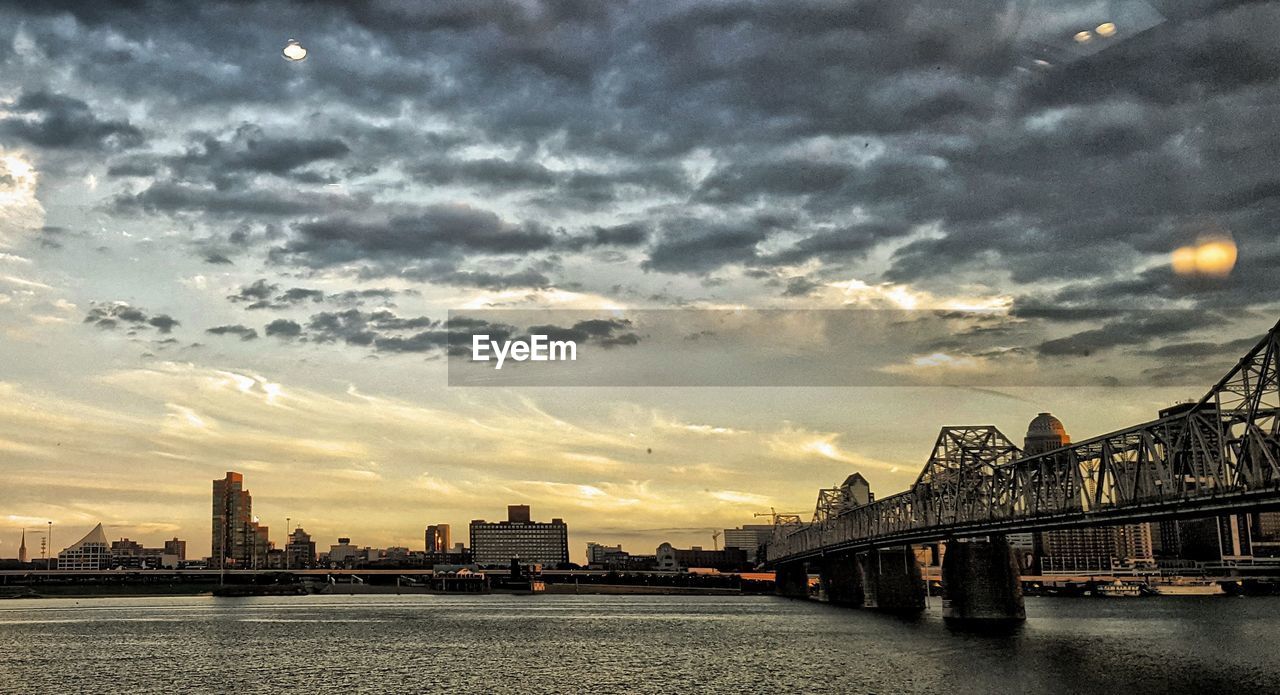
<point x="981" y="581"/>
<point x="891" y="580"/>
<point x="792" y="580"/>
<point x="840" y="580"/>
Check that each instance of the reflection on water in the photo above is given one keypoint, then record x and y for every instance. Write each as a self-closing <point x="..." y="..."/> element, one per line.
<point x="623" y="643"/>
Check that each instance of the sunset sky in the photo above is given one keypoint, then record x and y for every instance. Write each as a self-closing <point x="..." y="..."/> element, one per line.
<point x="215" y="259"/>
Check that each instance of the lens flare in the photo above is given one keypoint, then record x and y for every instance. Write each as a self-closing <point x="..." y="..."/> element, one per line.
<point x="1106" y="29"/>
<point x="1083" y="37"/>
<point x="1212" y="256"/>
<point x="294" y="51"/>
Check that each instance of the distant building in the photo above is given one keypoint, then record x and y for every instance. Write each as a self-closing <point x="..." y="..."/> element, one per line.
<point x="89" y="553"/>
<point x="672" y="559"/>
<point x="1213" y="541"/>
<point x="750" y="537"/>
<point x="438" y="540"/>
<point x="22" y="549"/>
<point x="176" y="548"/>
<point x="520" y="537"/>
<point x="344" y="554"/>
<point x="613" y="557"/>
<point x="238" y="539"/>
<point x="599" y="555"/>
<point x="300" y="551"/>
<point x="1093" y="549"/>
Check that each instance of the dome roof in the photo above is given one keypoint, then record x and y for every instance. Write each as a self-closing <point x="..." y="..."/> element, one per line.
<point x="1046" y="425"/>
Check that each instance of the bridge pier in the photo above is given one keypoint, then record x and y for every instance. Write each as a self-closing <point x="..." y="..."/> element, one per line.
<point x="981" y="581"/>
<point x="792" y="580"/>
<point x="891" y="580"/>
<point x="840" y="579"/>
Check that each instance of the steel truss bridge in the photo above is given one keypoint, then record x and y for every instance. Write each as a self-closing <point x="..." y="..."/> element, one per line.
<point x="1218" y="455"/>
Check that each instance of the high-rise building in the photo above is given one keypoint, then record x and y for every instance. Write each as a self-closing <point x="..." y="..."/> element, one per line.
<point x="520" y="537"/>
<point x="438" y="539"/>
<point x="1086" y="550"/>
<point x="750" y="537"/>
<point x="22" y="549"/>
<point x="238" y="539"/>
<point x="300" y="551"/>
<point x="89" y="553"/>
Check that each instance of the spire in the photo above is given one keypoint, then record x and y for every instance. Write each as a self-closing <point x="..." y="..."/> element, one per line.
<point x="22" y="549"/>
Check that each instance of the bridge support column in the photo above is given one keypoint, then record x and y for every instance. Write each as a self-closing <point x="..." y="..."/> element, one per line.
<point x="841" y="580"/>
<point x="891" y="580"/>
<point x="981" y="582"/>
<point x="792" y="580"/>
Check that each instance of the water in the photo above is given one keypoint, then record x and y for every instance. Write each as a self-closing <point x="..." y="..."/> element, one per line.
<point x="649" y="644"/>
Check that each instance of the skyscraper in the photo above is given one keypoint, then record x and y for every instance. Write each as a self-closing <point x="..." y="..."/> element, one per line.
<point x="238" y="540"/>
<point x="438" y="539"/>
<point x="1089" y="549"/>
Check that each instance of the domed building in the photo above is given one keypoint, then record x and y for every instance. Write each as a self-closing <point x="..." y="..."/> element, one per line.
<point x="1045" y="433"/>
<point x="1094" y="549"/>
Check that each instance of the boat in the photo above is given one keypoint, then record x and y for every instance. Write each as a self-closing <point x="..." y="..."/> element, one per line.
<point x="1118" y="589"/>
<point x="1188" y="588"/>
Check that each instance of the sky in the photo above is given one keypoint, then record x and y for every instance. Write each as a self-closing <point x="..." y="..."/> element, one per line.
<point x="213" y="258"/>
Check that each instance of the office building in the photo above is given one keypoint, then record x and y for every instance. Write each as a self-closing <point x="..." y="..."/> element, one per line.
<point x="520" y="537"/>
<point x="1089" y="550"/>
<point x="300" y="550"/>
<point x="89" y="553"/>
<point x="176" y="548"/>
<point x="438" y="540"/>
<point x="672" y="559"/>
<point x="613" y="557"/>
<point x="238" y="539"/>
<point x="750" y="537"/>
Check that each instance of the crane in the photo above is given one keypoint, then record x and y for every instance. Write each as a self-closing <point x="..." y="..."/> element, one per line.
<point x="781" y="518"/>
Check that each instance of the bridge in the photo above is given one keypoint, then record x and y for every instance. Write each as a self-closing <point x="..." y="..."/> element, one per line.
<point x="1218" y="455"/>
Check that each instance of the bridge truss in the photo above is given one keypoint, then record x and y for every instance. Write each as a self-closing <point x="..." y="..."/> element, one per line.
<point x="1218" y="455"/>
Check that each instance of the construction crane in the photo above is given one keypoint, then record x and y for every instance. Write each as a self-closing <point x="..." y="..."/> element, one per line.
<point x="715" y="540"/>
<point x="781" y="518"/>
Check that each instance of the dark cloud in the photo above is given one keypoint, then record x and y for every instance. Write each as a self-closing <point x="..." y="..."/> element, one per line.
<point x="244" y="332"/>
<point x="57" y="121"/>
<point x="110" y="316"/>
<point x="284" y="329"/>
<point x="914" y="129"/>
<point x="604" y="332"/>
<point x="215" y="258"/>
<point x="434" y="232"/>
<point x="800" y="287"/>
<point x="163" y="322"/>
<point x="694" y="246"/>
<point x="1139" y="328"/>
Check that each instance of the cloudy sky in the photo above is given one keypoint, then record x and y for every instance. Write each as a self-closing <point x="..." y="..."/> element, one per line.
<point x="212" y="258"/>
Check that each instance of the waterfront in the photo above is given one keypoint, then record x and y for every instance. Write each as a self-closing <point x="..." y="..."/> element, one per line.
<point x="625" y="644"/>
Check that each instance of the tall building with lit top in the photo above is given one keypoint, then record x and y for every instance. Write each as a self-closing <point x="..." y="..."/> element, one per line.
<point x="238" y="539"/>
<point x="1093" y="549"/>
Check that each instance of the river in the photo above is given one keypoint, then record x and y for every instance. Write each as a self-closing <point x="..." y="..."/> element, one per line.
<point x="633" y="644"/>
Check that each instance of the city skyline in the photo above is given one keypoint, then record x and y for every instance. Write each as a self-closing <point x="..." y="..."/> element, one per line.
<point x="215" y="258"/>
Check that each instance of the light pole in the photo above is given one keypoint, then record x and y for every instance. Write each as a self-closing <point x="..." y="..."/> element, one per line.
<point x="50" y="537"/>
<point x="287" y="531"/>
